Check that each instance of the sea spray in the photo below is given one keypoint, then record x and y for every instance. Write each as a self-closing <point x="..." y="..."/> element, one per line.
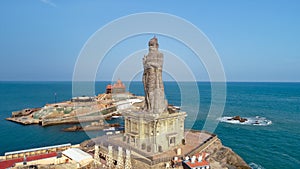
<point x="256" y="121"/>
<point x="255" y="166"/>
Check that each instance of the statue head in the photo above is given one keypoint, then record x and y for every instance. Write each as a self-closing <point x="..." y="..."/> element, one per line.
<point x="153" y="44"/>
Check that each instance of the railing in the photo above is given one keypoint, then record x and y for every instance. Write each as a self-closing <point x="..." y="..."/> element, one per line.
<point x="105" y="142"/>
<point x="148" y="158"/>
<point x="161" y="160"/>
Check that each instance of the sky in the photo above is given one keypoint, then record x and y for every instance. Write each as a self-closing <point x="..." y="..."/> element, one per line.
<point x="257" y="40"/>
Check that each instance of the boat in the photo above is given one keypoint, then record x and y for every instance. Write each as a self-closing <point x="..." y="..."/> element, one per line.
<point x="115" y="117"/>
<point x="110" y="129"/>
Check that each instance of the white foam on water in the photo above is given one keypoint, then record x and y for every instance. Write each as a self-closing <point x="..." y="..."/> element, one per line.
<point x="256" y="166"/>
<point x="256" y="121"/>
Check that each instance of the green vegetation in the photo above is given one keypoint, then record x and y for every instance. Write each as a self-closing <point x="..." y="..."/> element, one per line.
<point x="59" y="109"/>
<point x="68" y="110"/>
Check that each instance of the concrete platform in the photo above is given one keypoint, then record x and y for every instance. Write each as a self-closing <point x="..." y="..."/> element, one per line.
<point x="196" y="141"/>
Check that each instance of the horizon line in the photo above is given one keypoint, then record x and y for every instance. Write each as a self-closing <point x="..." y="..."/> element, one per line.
<point x="233" y="81"/>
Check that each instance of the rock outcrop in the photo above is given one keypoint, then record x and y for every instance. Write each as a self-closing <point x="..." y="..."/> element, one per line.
<point x="239" y="118"/>
<point x="222" y="157"/>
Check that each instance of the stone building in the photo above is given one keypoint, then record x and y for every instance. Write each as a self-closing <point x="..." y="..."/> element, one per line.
<point x="155" y="128"/>
<point x="108" y="89"/>
<point x="116" y="88"/>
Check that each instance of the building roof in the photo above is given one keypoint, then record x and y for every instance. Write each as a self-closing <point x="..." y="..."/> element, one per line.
<point x="109" y="86"/>
<point x="36" y="149"/>
<point x="196" y="163"/>
<point x="119" y="84"/>
<point x="9" y="163"/>
<point x="76" y="154"/>
<point x="82" y="98"/>
<point x="123" y="102"/>
<point x="135" y="100"/>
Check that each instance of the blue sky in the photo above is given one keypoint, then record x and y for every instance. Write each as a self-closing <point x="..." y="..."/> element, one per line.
<point x="257" y="40"/>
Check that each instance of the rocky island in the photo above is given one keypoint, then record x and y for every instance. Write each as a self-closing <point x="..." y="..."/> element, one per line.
<point x="239" y="118"/>
<point x="103" y="107"/>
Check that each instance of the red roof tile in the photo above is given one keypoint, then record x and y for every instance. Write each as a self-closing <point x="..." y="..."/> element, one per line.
<point x="197" y="164"/>
<point x="10" y="163"/>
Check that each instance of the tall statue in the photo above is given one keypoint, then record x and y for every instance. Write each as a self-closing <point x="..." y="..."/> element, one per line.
<point x="152" y="79"/>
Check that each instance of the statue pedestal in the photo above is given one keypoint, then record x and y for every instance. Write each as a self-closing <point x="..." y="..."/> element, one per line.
<point x="154" y="132"/>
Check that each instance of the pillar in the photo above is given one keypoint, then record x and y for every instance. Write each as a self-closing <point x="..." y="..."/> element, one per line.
<point x="109" y="157"/>
<point x="96" y="155"/>
<point x="128" y="160"/>
<point x="120" y="161"/>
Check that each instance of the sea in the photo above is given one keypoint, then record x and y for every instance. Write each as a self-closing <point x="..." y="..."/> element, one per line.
<point x="270" y="146"/>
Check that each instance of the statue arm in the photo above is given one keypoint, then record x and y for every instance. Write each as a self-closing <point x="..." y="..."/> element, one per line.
<point x="144" y="60"/>
<point x="153" y="61"/>
<point x="155" y="65"/>
<point x="158" y="62"/>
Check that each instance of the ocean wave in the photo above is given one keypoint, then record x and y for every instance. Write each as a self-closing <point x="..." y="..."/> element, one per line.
<point x="256" y="121"/>
<point x="256" y="166"/>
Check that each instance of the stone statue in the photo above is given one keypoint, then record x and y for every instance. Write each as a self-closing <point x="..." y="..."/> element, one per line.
<point x="152" y="79"/>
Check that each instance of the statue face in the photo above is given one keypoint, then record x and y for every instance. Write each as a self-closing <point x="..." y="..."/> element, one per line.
<point x="152" y="48"/>
<point x="153" y="43"/>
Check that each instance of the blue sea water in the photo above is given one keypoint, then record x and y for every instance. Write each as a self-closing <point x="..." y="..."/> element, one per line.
<point x="273" y="146"/>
